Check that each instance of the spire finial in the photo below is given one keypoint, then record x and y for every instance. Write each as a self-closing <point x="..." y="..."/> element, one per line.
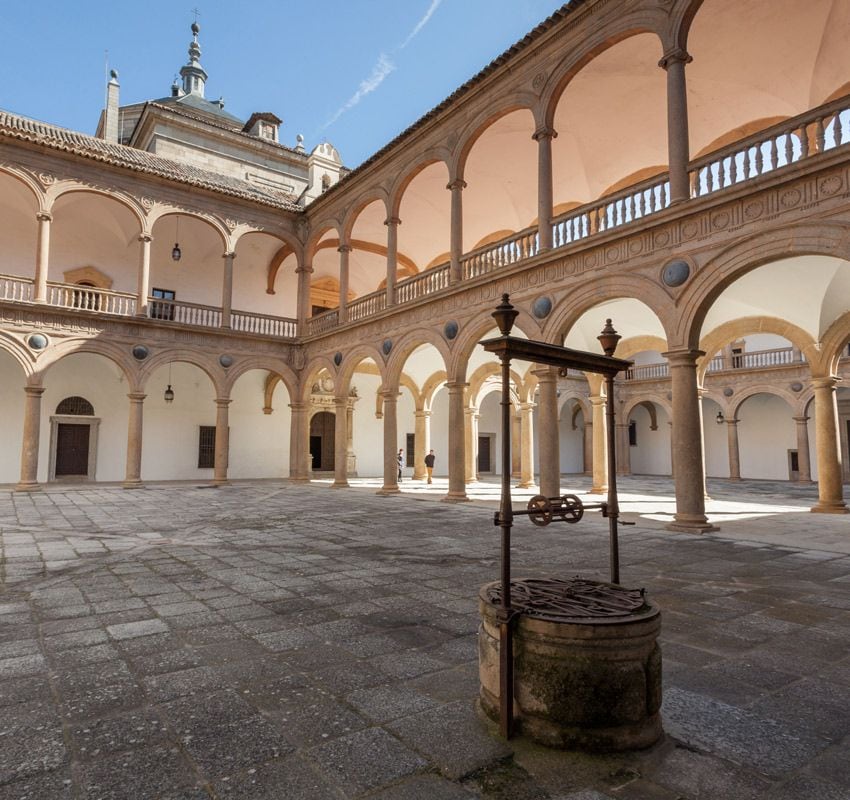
<point x="194" y="75"/>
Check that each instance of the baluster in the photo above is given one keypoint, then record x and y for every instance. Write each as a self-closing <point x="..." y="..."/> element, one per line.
<point x="773" y="152"/>
<point x="819" y="134"/>
<point x="759" y="159"/>
<point x="804" y="141"/>
<point x="789" y="148"/>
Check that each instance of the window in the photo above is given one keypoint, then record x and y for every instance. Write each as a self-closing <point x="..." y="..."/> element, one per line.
<point x="77" y="406"/>
<point x="83" y="298"/>
<point x="632" y="433"/>
<point x="206" y="447"/>
<point x="164" y="309"/>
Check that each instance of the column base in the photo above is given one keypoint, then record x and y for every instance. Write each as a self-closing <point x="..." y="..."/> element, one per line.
<point x="28" y="487"/>
<point x="525" y="485"/>
<point x="132" y="485"/>
<point x="388" y="490"/>
<point x="694" y="525"/>
<point x="421" y="477"/>
<point x="340" y="485"/>
<point x="220" y="482"/>
<point x="598" y="490"/>
<point x="834" y="507"/>
<point x="298" y="480"/>
<point x="455" y="497"/>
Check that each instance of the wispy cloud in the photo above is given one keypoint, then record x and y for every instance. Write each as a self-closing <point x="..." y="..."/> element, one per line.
<point x="421" y="24"/>
<point x="383" y="67"/>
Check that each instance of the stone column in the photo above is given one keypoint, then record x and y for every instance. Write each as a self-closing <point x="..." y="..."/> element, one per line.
<point x="350" y="457"/>
<point x="299" y="442"/>
<point x="804" y="462"/>
<point x="600" y="446"/>
<point x="392" y="224"/>
<point x="456" y="455"/>
<point x="303" y="274"/>
<point x="340" y="443"/>
<point x="587" y="455"/>
<point x="677" y="124"/>
<point x="390" y="397"/>
<point x="143" y="289"/>
<point x="42" y="256"/>
<point x="421" y="443"/>
<point x="222" y="440"/>
<point x="516" y="445"/>
<point x="31" y="440"/>
<point x="344" y="251"/>
<point x="470" y="428"/>
<point x="456" y="241"/>
<point x="544" y="137"/>
<point x="526" y="479"/>
<point x="830" y="490"/>
<point x="734" y="452"/>
<point x="133" y="474"/>
<point x="688" y="469"/>
<point x="624" y="461"/>
<point x="548" y="433"/>
<point x="227" y="289"/>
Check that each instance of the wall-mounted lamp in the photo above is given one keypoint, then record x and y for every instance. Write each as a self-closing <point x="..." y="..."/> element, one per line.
<point x="720" y="419"/>
<point x="176" y="252"/>
<point x="169" y="392"/>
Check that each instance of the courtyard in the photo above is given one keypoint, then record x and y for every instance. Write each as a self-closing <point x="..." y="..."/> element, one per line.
<point x="277" y="640"/>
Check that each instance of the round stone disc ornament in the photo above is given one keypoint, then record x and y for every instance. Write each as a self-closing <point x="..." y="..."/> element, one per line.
<point x="337" y="358"/>
<point x="450" y="329"/>
<point x="37" y="341"/>
<point x="676" y="273"/>
<point x="225" y="360"/>
<point x="542" y="307"/>
<point x="140" y="352"/>
<point x="387" y="346"/>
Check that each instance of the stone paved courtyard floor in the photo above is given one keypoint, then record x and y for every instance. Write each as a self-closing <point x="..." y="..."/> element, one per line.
<point x="268" y="640"/>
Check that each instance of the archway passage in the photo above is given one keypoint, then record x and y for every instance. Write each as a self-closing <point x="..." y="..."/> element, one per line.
<point x="322" y="430"/>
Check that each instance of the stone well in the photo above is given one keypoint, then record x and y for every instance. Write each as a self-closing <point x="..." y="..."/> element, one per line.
<point x="584" y="678"/>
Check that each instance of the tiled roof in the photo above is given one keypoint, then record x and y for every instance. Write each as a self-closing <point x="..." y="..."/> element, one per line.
<point x="29" y="130"/>
<point x="512" y="51"/>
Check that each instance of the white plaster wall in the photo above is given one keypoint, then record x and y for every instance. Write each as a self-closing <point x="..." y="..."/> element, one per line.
<point x="651" y="455"/>
<point x="571" y="441"/>
<point x="406" y="424"/>
<point x="170" y="436"/>
<point x="440" y="431"/>
<point x="102" y="383"/>
<point x="368" y="438"/>
<point x="12" y="404"/>
<point x="765" y="434"/>
<point x="764" y="341"/>
<point x="716" y="444"/>
<point x="250" y="278"/>
<point x="259" y="443"/>
<point x="18" y="228"/>
<point x="489" y="422"/>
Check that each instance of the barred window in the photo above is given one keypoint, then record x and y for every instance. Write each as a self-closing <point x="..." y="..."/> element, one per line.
<point x="77" y="406"/>
<point x="206" y="447"/>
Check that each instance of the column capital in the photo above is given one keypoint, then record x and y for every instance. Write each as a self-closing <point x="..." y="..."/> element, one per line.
<point x="341" y="402"/>
<point x="137" y="397"/>
<point x="231" y="254"/>
<point x="304" y="268"/>
<point x="344" y="248"/>
<point x="677" y="55"/>
<point x="801" y="420"/>
<point x="299" y="405"/>
<point x="145" y="237"/>
<point x="527" y="406"/>
<point x="733" y="421"/>
<point x="544" y="374"/>
<point x="35" y="391"/>
<point x="470" y="410"/>
<point x="392" y="221"/>
<point x="223" y="402"/>
<point x="457" y="183"/>
<point x="684" y="357"/>
<point x="456" y="386"/>
<point x="825" y="382"/>
<point x="44" y="216"/>
<point x="390" y="395"/>
<point x="544" y="132"/>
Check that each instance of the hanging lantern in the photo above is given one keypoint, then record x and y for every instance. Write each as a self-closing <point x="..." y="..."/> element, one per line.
<point x="169" y="394"/>
<point x="176" y="252"/>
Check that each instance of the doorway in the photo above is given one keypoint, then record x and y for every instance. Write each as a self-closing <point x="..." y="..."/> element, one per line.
<point x="485" y="452"/>
<point x="322" y="430"/>
<point x="73" y="440"/>
<point x="72" y="450"/>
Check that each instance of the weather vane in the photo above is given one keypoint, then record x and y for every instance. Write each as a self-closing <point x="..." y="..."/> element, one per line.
<point x="197" y="13"/>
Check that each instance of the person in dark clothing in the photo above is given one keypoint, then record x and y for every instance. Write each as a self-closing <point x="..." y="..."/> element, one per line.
<point x="400" y="459"/>
<point x="429" y="465"/>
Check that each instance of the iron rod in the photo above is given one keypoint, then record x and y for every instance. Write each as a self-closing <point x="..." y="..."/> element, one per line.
<point x="613" y="505"/>
<point x="506" y="656"/>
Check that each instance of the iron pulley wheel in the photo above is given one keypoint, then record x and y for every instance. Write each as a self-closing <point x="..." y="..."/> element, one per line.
<point x="540" y="510"/>
<point x="571" y="509"/>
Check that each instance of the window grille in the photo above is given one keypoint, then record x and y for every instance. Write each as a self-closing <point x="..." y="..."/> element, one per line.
<point x="206" y="447"/>
<point x="77" y="406"/>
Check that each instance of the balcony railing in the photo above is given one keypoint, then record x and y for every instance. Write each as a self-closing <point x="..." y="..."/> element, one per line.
<point x="367" y="305"/>
<point x="422" y="285"/>
<point x="247" y="322"/>
<point x="326" y="321"/>
<point x="12" y="288"/>
<point x="648" y="372"/>
<point x="755" y="359"/>
<point x="500" y="254"/>
<point x="89" y="298"/>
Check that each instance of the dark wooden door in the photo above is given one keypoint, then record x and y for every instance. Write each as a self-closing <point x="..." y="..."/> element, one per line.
<point x="322" y="427"/>
<point x="484" y="464"/>
<point x="72" y="449"/>
<point x="316" y="452"/>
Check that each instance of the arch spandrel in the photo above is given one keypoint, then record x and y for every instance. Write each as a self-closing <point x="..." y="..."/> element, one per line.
<point x="313" y="369"/>
<point x="26" y="359"/>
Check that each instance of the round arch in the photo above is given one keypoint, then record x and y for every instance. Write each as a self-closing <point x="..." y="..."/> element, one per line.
<point x="472" y="332"/>
<point x="19" y="352"/>
<point x="159" y="214"/>
<point x="410" y="341"/>
<point x="278" y="367"/>
<point x="113" y="352"/>
<point x="434" y="155"/>
<point x="763" y="388"/>
<point x="378" y="194"/>
<point x="65" y="189"/>
<point x="201" y="361"/>
<point x="30" y="182"/>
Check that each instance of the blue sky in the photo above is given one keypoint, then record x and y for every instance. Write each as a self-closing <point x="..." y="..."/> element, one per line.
<point x="355" y="72"/>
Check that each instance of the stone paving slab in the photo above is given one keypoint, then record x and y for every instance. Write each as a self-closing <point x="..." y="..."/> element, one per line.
<point x="241" y="646"/>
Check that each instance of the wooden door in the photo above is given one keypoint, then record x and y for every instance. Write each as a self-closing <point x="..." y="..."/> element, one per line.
<point x="72" y="449"/>
<point x="484" y="464"/>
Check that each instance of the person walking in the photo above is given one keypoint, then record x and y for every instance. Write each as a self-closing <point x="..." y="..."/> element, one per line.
<point x="429" y="465"/>
<point x="400" y="459"/>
